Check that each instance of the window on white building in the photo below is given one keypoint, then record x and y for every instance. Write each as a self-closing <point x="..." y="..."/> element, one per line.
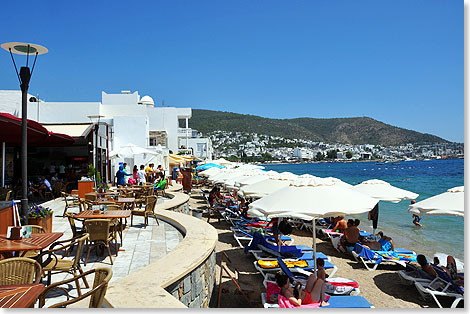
<point x="201" y="147"/>
<point x="153" y="141"/>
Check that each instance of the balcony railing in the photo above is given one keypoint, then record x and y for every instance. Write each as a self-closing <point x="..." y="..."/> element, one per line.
<point x="185" y="132"/>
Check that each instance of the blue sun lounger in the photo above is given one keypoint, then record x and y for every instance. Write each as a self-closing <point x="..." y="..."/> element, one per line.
<point x="365" y="255"/>
<point x="242" y="235"/>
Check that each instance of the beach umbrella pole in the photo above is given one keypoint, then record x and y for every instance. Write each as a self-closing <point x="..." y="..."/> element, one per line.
<point x="314" y="247"/>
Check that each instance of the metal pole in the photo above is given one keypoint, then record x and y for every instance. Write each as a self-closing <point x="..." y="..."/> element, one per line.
<point x="25" y="77"/>
<point x="314" y="247"/>
<point x="3" y="164"/>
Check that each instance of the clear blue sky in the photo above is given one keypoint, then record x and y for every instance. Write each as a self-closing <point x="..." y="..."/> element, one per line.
<point x="400" y="62"/>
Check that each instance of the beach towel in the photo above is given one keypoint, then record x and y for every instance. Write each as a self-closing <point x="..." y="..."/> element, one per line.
<point x="272" y="292"/>
<point x="286" y="250"/>
<point x="285" y="303"/>
<point x="290" y="264"/>
<point x="369" y="254"/>
<point x="386" y="245"/>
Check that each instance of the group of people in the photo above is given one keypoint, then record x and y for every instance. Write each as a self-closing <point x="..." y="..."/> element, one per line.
<point x="141" y="176"/>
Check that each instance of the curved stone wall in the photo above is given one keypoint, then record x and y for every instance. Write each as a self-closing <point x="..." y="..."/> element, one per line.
<point x="183" y="278"/>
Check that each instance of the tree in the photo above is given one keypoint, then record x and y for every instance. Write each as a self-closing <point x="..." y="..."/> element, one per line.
<point x="319" y="156"/>
<point x="331" y="154"/>
<point x="348" y="155"/>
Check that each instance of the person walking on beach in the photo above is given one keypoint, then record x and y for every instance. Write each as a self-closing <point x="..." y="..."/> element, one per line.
<point x="416" y="218"/>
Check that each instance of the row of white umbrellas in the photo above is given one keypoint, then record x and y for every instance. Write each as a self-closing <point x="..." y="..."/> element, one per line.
<point x="285" y="187"/>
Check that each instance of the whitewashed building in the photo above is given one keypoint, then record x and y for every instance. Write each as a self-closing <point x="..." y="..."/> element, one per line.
<point x="125" y="118"/>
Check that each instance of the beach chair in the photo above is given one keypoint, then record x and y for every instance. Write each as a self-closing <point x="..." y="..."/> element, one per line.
<point x="441" y="286"/>
<point x="259" y="247"/>
<point x="367" y="256"/>
<point x="243" y="235"/>
<point x="335" y="302"/>
<point x="412" y="275"/>
<point x="265" y="266"/>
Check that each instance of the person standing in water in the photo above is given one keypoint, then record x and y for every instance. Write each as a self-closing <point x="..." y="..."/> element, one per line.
<point x="416" y="218"/>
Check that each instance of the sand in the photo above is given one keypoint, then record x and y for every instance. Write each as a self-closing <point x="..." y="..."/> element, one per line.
<point x="380" y="287"/>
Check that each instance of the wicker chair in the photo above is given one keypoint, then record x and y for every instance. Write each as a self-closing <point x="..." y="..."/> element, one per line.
<point x="68" y="203"/>
<point x="54" y="263"/>
<point x="149" y="210"/>
<point x="35" y="228"/>
<point x="8" y="195"/>
<point x="75" y="232"/>
<point x="57" y="188"/>
<point x="100" y="234"/>
<point x="102" y="277"/>
<point x="141" y="197"/>
<point x="19" y="271"/>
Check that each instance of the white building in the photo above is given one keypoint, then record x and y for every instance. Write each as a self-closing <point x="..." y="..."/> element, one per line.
<point x="124" y="118"/>
<point x="302" y="153"/>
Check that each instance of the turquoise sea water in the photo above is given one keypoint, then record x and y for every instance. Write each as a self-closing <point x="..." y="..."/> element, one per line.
<point x="439" y="235"/>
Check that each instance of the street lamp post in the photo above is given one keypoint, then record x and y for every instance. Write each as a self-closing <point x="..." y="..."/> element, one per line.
<point x="24" y="77"/>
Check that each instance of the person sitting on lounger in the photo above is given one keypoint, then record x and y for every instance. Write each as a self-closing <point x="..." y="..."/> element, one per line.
<point x="351" y="235"/>
<point x="451" y="268"/>
<point x="341" y="225"/>
<point x="313" y="292"/>
<point x="372" y="245"/>
<point x="320" y="269"/>
<point x="385" y="238"/>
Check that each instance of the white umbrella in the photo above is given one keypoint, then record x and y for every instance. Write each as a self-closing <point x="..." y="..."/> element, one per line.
<point x="230" y="183"/>
<point x="210" y="171"/>
<point x="312" y="197"/>
<point x="263" y="188"/>
<point x="129" y="151"/>
<point x="254" y="179"/>
<point x="450" y="203"/>
<point x="384" y="191"/>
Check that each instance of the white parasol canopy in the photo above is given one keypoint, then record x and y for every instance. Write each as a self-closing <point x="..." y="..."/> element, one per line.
<point x="263" y="188"/>
<point x="384" y="191"/>
<point x="209" y="172"/>
<point x="316" y="197"/>
<point x="129" y="151"/>
<point x="450" y="203"/>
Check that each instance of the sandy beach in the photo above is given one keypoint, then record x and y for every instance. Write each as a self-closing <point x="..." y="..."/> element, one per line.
<point x="380" y="287"/>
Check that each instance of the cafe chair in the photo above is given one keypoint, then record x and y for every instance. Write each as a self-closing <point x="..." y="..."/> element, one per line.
<point x="69" y="203"/>
<point x="76" y="232"/>
<point x="149" y="210"/>
<point x="53" y="262"/>
<point x="35" y="228"/>
<point x="19" y="271"/>
<point x="102" y="276"/>
<point x="141" y="196"/>
<point x="100" y="234"/>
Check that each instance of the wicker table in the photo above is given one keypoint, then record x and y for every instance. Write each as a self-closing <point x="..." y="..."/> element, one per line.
<point x="38" y="241"/>
<point x="19" y="296"/>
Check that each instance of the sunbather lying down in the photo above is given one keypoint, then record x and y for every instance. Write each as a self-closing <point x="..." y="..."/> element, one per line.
<point x="451" y="268"/>
<point x="314" y="291"/>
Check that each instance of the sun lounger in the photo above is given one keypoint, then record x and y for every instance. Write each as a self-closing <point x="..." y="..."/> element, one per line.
<point x="441" y="286"/>
<point x="243" y="235"/>
<point x="414" y="274"/>
<point x="367" y="256"/>
<point x="335" y="302"/>
<point x="265" y="266"/>
<point x="260" y="243"/>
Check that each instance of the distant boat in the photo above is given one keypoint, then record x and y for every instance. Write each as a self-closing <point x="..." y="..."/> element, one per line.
<point x="395" y="163"/>
<point x="380" y="163"/>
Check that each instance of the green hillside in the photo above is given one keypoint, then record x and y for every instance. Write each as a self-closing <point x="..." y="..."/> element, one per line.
<point x="361" y="130"/>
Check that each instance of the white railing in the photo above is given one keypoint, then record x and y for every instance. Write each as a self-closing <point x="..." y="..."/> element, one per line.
<point x="185" y="132"/>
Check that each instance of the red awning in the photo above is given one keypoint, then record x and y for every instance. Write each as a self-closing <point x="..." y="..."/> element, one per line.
<point x="38" y="135"/>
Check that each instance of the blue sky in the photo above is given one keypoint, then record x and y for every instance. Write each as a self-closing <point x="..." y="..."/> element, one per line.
<point x="400" y="62"/>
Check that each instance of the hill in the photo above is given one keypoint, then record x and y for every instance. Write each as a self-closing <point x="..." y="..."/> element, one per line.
<point x="360" y="130"/>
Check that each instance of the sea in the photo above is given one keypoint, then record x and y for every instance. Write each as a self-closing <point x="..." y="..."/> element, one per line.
<point x="439" y="236"/>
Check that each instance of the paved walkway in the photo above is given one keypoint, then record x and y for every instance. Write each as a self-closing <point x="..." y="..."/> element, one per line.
<point x="140" y="246"/>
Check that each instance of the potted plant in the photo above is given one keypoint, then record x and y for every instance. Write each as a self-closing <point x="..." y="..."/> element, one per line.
<point x="40" y="216"/>
<point x="101" y="186"/>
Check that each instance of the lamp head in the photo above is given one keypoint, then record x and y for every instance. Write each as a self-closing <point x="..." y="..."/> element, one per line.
<point x="24" y="48"/>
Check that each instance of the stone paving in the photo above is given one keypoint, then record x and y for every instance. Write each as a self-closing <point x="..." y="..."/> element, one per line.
<point x="139" y="246"/>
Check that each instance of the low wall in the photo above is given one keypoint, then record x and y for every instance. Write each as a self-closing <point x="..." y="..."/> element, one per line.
<point x="184" y="277"/>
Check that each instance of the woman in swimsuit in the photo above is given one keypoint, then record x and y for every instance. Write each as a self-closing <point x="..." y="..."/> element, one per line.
<point x="313" y="292"/>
